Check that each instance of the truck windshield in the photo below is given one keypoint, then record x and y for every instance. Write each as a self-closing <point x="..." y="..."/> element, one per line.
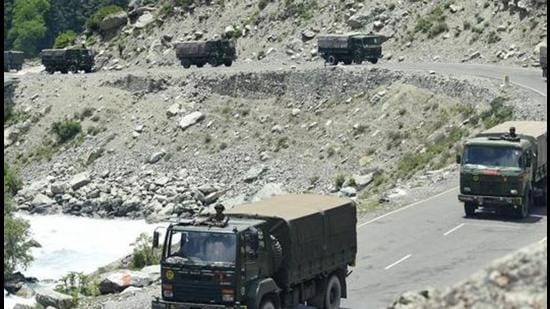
<point x="373" y="41"/>
<point x="492" y="156"/>
<point x="201" y="247"/>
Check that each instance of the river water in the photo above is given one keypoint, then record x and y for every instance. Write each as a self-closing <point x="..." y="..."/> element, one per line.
<point x="79" y="244"/>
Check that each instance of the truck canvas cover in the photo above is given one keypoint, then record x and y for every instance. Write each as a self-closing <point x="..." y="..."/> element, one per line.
<point x="333" y="41"/>
<point x="535" y="131"/>
<point x="316" y="232"/>
<point x="194" y="48"/>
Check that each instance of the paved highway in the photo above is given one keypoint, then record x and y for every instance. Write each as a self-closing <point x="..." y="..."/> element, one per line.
<point x="430" y="243"/>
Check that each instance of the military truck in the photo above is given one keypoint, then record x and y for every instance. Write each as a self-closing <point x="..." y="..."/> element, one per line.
<point x="504" y="168"/>
<point x="543" y="56"/>
<point x="214" y="52"/>
<point x="276" y="253"/>
<point x="65" y="60"/>
<point x="13" y="60"/>
<point x="350" y="48"/>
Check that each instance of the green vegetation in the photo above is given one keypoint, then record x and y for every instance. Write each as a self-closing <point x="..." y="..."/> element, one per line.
<point x="497" y="113"/>
<point x="433" y="24"/>
<point x="263" y="3"/>
<point x="411" y="162"/>
<point x="66" y="130"/>
<point x="492" y="37"/>
<point x="144" y="254"/>
<point x="93" y="21"/>
<point x="339" y="181"/>
<point x="65" y="39"/>
<point x="304" y="9"/>
<point x="76" y="284"/>
<point x="28" y="25"/>
<point x="16" y="231"/>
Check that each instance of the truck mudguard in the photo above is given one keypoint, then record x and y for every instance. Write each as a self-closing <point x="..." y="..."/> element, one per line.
<point x="259" y="288"/>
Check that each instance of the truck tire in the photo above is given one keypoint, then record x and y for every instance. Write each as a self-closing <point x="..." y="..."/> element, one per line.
<point x="87" y="70"/>
<point x="213" y="61"/>
<point x="333" y="293"/>
<point x="469" y="209"/>
<point x="63" y="71"/>
<point x="523" y="211"/>
<point x="268" y="303"/>
<point x="332" y="60"/>
<point x="186" y="63"/>
<point x="374" y="61"/>
<point x="228" y="63"/>
<point x="73" y="69"/>
<point x="200" y="64"/>
<point x="358" y="60"/>
<point x="347" y="61"/>
<point x="50" y="70"/>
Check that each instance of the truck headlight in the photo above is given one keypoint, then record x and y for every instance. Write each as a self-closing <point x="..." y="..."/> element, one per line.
<point x="228" y="295"/>
<point x="467" y="189"/>
<point x="513" y="191"/>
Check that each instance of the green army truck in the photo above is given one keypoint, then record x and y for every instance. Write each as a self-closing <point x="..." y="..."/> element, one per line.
<point x="350" y="48"/>
<point x="276" y="253"/>
<point x="13" y="60"/>
<point x="543" y="56"/>
<point x="213" y="52"/>
<point x="67" y="60"/>
<point x="504" y="168"/>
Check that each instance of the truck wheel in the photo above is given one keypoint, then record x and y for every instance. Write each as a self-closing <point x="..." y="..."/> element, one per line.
<point x="50" y="70"/>
<point x="333" y="293"/>
<point x="213" y="62"/>
<point x="523" y="211"/>
<point x="228" y="63"/>
<point x="469" y="209"/>
<point x="186" y="63"/>
<point x="374" y="61"/>
<point x="358" y="60"/>
<point x="200" y="64"/>
<point x="73" y="69"/>
<point x="87" y="70"/>
<point x="268" y="303"/>
<point x="332" y="60"/>
<point x="347" y="61"/>
<point x="64" y="71"/>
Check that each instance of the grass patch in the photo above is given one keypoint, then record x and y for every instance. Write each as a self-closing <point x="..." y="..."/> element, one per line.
<point x="433" y="24"/>
<point x="66" y="130"/>
<point x="12" y="183"/>
<point x="144" y="254"/>
<point x="411" y="162"/>
<point x="77" y="284"/>
<point x="493" y="38"/>
<point x="497" y="113"/>
<point x="339" y="181"/>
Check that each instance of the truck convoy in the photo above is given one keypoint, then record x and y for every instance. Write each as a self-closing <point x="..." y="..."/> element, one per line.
<point x="504" y="168"/>
<point x="350" y="48"/>
<point x="543" y="56"/>
<point x="65" y="60"/>
<point x="214" y="52"/>
<point x="13" y="60"/>
<point x="275" y="253"/>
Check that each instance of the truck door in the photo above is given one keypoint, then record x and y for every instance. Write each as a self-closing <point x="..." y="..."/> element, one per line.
<point x="251" y="256"/>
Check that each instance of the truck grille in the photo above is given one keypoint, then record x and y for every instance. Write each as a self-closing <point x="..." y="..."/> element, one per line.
<point x="197" y="293"/>
<point x="490" y="185"/>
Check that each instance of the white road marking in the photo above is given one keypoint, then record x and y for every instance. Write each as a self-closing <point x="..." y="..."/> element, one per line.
<point x="505" y="226"/>
<point x="405" y="207"/>
<point x="532" y="89"/>
<point x="543" y="240"/>
<point x="454" y="229"/>
<point x="397" y="262"/>
<point x="537" y="216"/>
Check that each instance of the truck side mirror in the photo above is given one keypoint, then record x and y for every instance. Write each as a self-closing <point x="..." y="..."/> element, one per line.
<point x="156" y="236"/>
<point x="458" y="159"/>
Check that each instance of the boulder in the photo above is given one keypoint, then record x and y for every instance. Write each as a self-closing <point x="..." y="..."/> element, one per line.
<point x="268" y="190"/>
<point x="191" y="119"/>
<point x="153" y="271"/>
<point x="155" y="157"/>
<point x="348" y="191"/>
<point x="363" y="180"/>
<point x="229" y="31"/>
<point x="358" y="21"/>
<point x="80" y="180"/>
<point x="47" y="297"/>
<point x="308" y="35"/>
<point x="254" y="172"/>
<point x="58" y="187"/>
<point x="41" y="200"/>
<point x="144" y="20"/>
<point x="113" y="21"/>
<point x="117" y="281"/>
<point x="173" y="110"/>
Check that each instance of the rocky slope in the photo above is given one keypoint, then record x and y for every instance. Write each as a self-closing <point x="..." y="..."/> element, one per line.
<point x="280" y="31"/>
<point x="515" y="281"/>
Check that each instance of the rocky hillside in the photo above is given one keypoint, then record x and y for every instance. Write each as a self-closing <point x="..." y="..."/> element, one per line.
<point x="160" y="144"/>
<point x="515" y="281"/>
<point x="284" y="31"/>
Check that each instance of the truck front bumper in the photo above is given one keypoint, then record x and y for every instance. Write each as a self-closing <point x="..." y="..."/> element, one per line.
<point x="491" y="200"/>
<point x="161" y="304"/>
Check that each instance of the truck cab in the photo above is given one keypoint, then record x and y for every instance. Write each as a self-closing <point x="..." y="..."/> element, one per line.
<point x="367" y="47"/>
<point x="504" y="171"/>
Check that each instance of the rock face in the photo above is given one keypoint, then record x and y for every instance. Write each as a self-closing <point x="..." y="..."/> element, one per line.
<point x="144" y="20"/>
<point x="518" y="280"/>
<point x="117" y="281"/>
<point x="79" y="180"/>
<point x="113" y="21"/>
<point x="47" y="297"/>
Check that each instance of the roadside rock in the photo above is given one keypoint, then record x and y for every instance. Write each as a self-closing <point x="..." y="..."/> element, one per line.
<point x="117" y="281"/>
<point x="348" y="191"/>
<point x="113" y="21"/>
<point x="254" y="172"/>
<point x="268" y="190"/>
<point x="173" y="110"/>
<point x="155" y="157"/>
<point x="47" y="297"/>
<point x="144" y="20"/>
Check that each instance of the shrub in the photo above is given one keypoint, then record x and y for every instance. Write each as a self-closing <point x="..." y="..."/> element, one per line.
<point x="93" y="21"/>
<point x="65" y="39"/>
<point x="497" y="113"/>
<point x="66" y="130"/>
<point x="339" y="181"/>
<point x="77" y="283"/>
<point x="433" y="23"/>
<point x="144" y="254"/>
<point x="12" y="183"/>
<point x="492" y="37"/>
<point x="262" y="4"/>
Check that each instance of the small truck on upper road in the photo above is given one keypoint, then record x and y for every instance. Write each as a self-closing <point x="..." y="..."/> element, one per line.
<point x="543" y="63"/>
<point x="505" y="168"/>
<point x="276" y="253"/>
<point x="13" y="60"/>
<point x="67" y="60"/>
<point x="350" y="48"/>
<point x="214" y="52"/>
